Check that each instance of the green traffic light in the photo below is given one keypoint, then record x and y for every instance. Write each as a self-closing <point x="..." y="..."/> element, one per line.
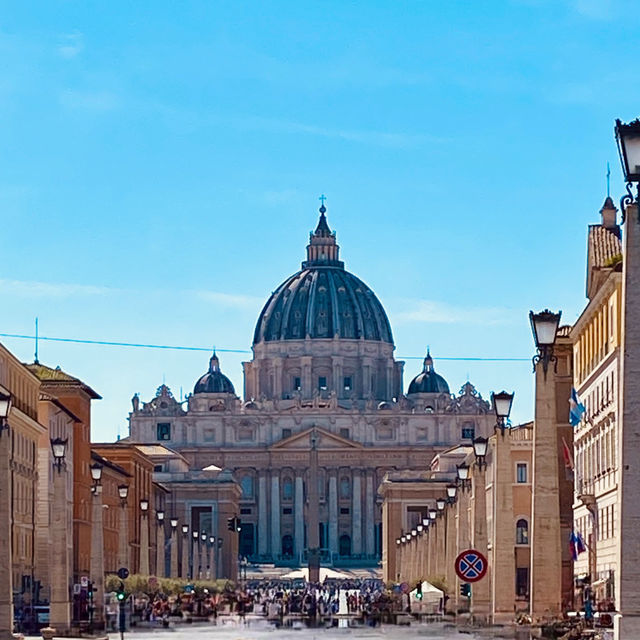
<point x="120" y="595"/>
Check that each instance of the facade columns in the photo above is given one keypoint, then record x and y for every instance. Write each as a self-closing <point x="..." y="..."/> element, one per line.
<point x="333" y="512"/>
<point x="480" y="592"/>
<point x="263" y="521"/>
<point x="307" y="386"/>
<point x="356" y="513"/>
<point x="298" y="533"/>
<point x="60" y="607"/>
<point x="451" y="550"/>
<point x="275" y="515"/>
<point x="97" y="556"/>
<point x="546" y="554"/>
<point x="369" y="517"/>
<point x="277" y="378"/>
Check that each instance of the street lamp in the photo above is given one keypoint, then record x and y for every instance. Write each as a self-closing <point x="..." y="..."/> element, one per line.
<point x="545" y="329"/>
<point x="144" y="506"/>
<point x="440" y="504"/>
<point x="462" y="471"/>
<point x="174" y="523"/>
<point x="5" y="407"/>
<point x="203" y="537"/>
<point x="123" y="492"/>
<point x="480" y="446"/>
<point x="502" y="406"/>
<point x="452" y="490"/>
<point x="398" y="541"/>
<point x="433" y="514"/>
<point x="628" y="139"/>
<point x="96" y="476"/>
<point x="185" y="529"/>
<point x="414" y="533"/>
<point x="59" y="448"/>
<point x="420" y="528"/>
<point x="160" y="516"/>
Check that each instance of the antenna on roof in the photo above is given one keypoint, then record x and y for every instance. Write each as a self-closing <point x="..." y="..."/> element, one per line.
<point x="608" y="180"/>
<point x="36" y="361"/>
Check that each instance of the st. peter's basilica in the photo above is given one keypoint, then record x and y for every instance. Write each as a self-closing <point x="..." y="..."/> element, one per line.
<point x="322" y="363"/>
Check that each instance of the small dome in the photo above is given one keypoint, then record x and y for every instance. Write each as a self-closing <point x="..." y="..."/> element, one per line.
<point x="428" y="381"/>
<point x="214" y="381"/>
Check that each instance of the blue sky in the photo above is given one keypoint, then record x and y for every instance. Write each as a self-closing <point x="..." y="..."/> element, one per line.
<point x="161" y="162"/>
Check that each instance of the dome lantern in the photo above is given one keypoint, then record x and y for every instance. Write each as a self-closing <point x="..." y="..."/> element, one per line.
<point x="428" y="381"/>
<point x="214" y="381"/>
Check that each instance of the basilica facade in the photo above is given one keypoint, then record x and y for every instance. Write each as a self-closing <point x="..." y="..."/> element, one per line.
<point x="323" y="371"/>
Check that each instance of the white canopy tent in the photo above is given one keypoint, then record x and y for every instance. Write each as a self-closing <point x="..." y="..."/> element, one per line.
<point x="431" y="599"/>
<point x="324" y="574"/>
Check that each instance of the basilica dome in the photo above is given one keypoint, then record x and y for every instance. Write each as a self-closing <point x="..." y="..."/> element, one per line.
<point x="323" y="300"/>
<point x="214" y="381"/>
<point x="428" y="381"/>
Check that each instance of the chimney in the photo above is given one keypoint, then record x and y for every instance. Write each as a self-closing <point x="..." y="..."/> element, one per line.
<point x="608" y="213"/>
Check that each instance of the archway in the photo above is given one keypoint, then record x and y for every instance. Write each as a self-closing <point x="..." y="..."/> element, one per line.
<point x="344" y="545"/>
<point x="287" y="546"/>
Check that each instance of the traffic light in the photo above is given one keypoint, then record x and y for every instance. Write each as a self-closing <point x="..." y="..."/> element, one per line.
<point x="238" y="524"/>
<point x="419" y="591"/>
<point x="465" y="590"/>
<point x="231" y="524"/>
<point x="121" y="593"/>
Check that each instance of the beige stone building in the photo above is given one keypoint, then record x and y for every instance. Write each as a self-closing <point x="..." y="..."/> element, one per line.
<point x="323" y="361"/>
<point x="597" y="339"/>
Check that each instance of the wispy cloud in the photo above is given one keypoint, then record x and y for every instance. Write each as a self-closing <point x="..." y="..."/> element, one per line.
<point x="434" y="312"/>
<point x="89" y="100"/>
<point x="34" y="289"/>
<point x="231" y="300"/>
<point x="595" y="9"/>
<point x="70" y="44"/>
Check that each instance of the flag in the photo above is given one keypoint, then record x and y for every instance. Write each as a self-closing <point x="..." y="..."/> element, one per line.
<point x="573" y="546"/>
<point x="568" y="457"/>
<point x="581" y="547"/>
<point x="576" y="408"/>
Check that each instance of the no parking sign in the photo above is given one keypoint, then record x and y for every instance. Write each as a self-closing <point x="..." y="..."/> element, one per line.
<point x="471" y="566"/>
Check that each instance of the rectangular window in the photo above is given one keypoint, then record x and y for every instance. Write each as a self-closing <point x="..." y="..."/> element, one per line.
<point x="296" y="384"/>
<point x="344" y="433"/>
<point x="468" y="432"/>
<point x="287" y="511"/>
<point x="322" y="383"/>
<point x="522" y="581"/>
<point x="347" y="383"/>
<point x="286" y="433"/>
<point x="344" y="511"/>
<point x="164" y="430"/>
<point x="521" y="473"/>
<point x="157" y="468"/>
<point x="245" y="512"/>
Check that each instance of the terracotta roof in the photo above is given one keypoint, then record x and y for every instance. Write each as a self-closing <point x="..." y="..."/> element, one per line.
<point x="604" y="244"/>
<point x="59" y="377"/>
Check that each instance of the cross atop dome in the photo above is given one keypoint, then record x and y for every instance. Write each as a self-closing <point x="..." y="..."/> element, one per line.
<point x="323" y="249"/>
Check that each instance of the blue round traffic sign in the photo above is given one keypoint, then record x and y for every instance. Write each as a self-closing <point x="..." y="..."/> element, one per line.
<point x="471" y="565"/>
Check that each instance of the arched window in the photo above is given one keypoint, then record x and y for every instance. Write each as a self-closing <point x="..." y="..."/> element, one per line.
<point x="247" y="486"/>
<point x="345" y="487"/>
<point x="522" y="531"/>
<point x="345" y="545"/>
<point x="287" y="489"/>
<point x="287" y="546"/>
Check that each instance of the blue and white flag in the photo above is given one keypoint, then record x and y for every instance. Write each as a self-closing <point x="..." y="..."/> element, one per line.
<point x="576" y="408"/>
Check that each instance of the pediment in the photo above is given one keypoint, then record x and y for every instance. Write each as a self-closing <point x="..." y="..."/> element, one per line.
<point x="326" y="440"/>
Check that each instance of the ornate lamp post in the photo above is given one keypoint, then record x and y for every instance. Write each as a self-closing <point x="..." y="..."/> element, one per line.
<point x="184" y="570"/>
<point x="96" y="605"/>
<point x="123" y="544"/>
<point x="144" y="536"/>
<point x="5" y="408"/>
<point x="502" y="406"/>
<point x="546" y="554"/>
<point x="627" y="533"/>
<point x="203" y="555"/>
<point x="452" y="492"/>
<point x="174" y="548"/>
<point x="194" y="556"/>
<point x="60" y="604"/>
<point x="462" y="473"/>
<point x="480" y="446"/>
<point x="212" y="557"/>
<point x="160" y="558"/>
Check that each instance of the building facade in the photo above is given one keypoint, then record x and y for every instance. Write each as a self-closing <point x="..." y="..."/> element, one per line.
<point x="322" y="366"/>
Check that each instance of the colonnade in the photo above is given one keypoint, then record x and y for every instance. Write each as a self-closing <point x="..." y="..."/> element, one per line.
<point x="358" y="523"/>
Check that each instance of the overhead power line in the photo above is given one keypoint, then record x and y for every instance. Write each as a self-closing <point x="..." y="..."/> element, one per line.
<point x="140" y="345"/>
